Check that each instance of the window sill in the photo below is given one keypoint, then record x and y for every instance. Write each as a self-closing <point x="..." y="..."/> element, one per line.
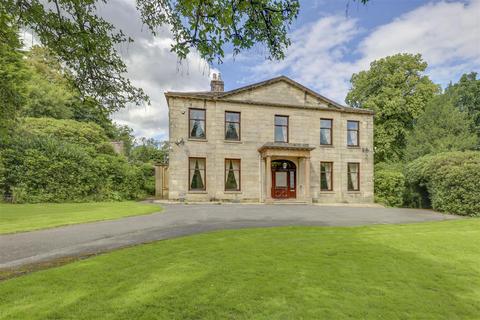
<point x="233" y="141"/>
<point x="197" y="192"/>
<point x="232" y="192"/>
<point x="326" y="146"/>
<point x="353" y="147"/>
<point x="327" y="192"/>
<point x="354" y="192"/>
<point x="198" y="140"/>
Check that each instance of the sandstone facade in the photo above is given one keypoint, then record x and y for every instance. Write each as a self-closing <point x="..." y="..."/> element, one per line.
<point x="258" y="105"/>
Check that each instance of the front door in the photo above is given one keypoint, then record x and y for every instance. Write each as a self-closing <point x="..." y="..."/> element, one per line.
<point x="284" y="184"/>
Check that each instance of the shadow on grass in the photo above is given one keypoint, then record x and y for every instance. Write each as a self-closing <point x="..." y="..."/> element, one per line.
<point x="263" y="273"/>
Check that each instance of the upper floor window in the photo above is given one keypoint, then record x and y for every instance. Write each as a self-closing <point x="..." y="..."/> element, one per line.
<point x="232" y="125"/>
<point x="196" y="174"/>
<point x="232" y="174"/>
<point x="196" y="119"/>
<point x="281" y="128"/>
<point x="353" y="179"/>
<point x="326" y="131"/>
<point x="353" y="128"/>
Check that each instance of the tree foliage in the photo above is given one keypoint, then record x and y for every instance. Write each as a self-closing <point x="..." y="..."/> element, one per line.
<point x="87" y="44"/>
<point x="48" y="92"/>
<point x="87" y="135"/>
<point x="466" y="97"/>
<point x="13" y="74"/>
<point x="389" y="184"/>
<point x="441" y="128"/>
<point x="47" y="163"/>
<point x="448" y="181"/>
<point x="149" y="150"/>
<point x="396" y="89"/>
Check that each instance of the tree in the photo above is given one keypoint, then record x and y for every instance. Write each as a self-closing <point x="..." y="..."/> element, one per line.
<point x="466" y="96"/>
<point x="87" y="43"/>
<point x="13" y="74"/>
<point x="48" y="92"/>
<point x="441" y="128"/>
<point x="396" y="89"/>
<point x="150" y="150"/>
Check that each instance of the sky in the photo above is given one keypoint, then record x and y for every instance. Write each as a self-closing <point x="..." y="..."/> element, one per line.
<point x="329" y="44"/>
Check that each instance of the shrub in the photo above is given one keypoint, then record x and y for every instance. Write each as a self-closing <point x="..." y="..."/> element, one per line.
<point x="86" y="134"/>
<point x="389" y="185"/>
<point x="450" y="180"/>
<point x="44" y="169"/>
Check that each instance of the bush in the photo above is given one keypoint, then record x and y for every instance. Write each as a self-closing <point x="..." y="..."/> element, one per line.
<point x="44" y="169"/>
<point x="450" y="180"/>
<point x="86" y="134"/>
<point x="389" y="185"/>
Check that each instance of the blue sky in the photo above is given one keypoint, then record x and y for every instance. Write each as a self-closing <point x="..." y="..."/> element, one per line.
<point x="328" y="45"/>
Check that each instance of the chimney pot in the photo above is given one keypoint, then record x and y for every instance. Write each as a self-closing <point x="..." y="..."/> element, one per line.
<point x="216" y="85"/>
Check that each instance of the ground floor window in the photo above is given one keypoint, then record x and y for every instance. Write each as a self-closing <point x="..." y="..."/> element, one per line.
<point x="326" y="176"/>
<point x="232" y="174"/>
<point x="196" y="169"/>
<point x="353" y="169"/>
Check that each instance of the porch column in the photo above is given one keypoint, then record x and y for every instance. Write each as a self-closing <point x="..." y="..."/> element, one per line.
<point x="268" y="169"/>
<point x="306" y="160"/>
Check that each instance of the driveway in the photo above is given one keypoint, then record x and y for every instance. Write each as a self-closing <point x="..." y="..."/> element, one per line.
<point x="182" y="219"/>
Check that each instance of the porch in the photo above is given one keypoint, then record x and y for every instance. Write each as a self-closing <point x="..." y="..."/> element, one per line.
<point x="285" y="173"/>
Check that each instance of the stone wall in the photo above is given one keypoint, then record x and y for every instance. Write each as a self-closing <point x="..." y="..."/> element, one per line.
<point x="257" y="128"/>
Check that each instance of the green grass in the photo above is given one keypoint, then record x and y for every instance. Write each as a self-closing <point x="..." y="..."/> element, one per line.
<point x="27" y="217"/>
<point x="418" y="271"/>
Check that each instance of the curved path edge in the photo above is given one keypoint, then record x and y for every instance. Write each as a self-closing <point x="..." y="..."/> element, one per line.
<point x="178" y="220"/>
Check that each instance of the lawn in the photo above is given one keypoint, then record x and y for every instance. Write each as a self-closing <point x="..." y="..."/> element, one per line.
<point x="416" y="271"/>
<point x="27" y="217"/>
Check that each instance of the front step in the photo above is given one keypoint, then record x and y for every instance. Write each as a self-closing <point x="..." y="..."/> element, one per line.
<point x="286" y="201"/>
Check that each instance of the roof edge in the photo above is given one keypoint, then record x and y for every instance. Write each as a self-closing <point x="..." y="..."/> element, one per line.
<point x="262" y="103"/>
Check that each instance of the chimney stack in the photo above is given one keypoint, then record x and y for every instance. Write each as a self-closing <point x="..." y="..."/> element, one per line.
<point x="216" y="85"/>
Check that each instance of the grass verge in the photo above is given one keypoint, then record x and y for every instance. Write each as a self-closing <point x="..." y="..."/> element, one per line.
<point x="28" y="217"/>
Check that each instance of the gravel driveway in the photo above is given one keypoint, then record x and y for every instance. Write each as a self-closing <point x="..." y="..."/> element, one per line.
<point x="183" y="219"/>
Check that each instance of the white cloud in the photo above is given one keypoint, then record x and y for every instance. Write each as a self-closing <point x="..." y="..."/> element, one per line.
<point x="447" y="34"/>
<point x="152" y="67"/>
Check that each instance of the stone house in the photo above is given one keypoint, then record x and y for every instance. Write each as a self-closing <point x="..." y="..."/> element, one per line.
<point x="275" y="140"/>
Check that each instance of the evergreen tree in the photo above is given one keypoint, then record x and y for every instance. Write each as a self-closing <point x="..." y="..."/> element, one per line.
<point x="13" y="74"/>
<point x="442" y="127"/>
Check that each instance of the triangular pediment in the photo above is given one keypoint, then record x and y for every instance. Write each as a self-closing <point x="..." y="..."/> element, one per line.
<point x="281" y="90"/>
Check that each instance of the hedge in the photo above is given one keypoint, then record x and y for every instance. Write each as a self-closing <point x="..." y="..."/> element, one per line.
<point x="389" y="185"/>
<point x="86" y="134"/>
<point x="44" y="169"/>
<point x="450" y="181"/>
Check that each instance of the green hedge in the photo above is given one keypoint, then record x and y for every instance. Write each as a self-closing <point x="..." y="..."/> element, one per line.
<point x="43" y="169"/>
<point x="86" y="134"/>
<point x="449" y="181"/>
<point x="389" y="184"/>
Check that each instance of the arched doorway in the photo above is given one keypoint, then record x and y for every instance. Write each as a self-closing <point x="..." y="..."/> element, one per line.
<point x="284" y="179"/>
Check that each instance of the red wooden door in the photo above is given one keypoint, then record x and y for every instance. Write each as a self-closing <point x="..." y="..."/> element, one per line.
<point x="284" y="184"/>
